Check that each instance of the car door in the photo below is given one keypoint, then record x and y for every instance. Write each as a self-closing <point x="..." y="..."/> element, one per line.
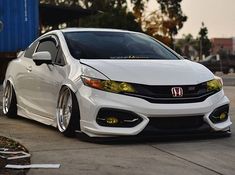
<point x="49" y="77"/>
<point x="25" y="88"/>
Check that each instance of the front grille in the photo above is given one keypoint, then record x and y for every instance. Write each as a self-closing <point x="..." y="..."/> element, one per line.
<point x="176" y="123"/>
<point x="163" y="94"/>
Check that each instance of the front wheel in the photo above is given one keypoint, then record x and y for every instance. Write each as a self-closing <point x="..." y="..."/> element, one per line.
<point x="9" y="101"/>
<point x="68" y="113"/>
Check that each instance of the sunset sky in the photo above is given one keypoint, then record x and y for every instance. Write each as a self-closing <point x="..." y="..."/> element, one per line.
<point x="218" y="16"/>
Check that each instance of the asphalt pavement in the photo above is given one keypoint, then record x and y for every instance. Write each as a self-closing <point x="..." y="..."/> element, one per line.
<point x="202" y="155"/>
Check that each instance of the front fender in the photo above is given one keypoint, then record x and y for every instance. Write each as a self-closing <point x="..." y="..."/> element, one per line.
<point x="71" y="85"/>
<point x="10" y="79"/>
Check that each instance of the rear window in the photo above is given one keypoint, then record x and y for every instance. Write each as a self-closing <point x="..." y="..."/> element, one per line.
<point x="115" y="45"/>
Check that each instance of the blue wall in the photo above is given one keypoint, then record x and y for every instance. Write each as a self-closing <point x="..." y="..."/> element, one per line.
<point x="20" y="20"/>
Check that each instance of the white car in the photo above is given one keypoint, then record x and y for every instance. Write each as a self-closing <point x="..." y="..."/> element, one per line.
<point x="106" y="82"/>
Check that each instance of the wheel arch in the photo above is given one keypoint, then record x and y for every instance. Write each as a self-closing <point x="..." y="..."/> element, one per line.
<point x="69" y="86"/>
<point x="11" y="81"/>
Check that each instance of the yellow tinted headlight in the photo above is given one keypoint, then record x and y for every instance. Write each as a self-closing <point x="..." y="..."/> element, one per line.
<point x="214" y="85"/>
<point x="108" y="85"/>
<point x="111" y="86"/>
<point x="125" y="87"/>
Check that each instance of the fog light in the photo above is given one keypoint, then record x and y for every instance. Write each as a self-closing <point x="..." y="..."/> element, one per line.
<point x="220" y="114"/>
<point x="111" y="120"/>
<point x="117" y="118"/>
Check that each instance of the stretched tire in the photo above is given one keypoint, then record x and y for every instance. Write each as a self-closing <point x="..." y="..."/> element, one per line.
<point x="9" y="102"/>
<point x="68" y="113"/>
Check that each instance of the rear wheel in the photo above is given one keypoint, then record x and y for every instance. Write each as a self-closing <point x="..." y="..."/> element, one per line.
<point x="9" y="101"/>
<point x="68" y="113"/>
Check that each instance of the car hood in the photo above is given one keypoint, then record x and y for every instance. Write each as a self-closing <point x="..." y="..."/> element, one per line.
<point x="152" y="72"/>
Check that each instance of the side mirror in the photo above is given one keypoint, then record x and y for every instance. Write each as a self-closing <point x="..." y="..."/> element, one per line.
<point x="42" y="57"/>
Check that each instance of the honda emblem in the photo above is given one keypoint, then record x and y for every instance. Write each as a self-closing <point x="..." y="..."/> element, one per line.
<point x="177" y="92"/>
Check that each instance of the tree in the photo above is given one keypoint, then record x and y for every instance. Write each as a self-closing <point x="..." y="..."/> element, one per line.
<point x="204" y="44"/>
<point x="138" y="9"/>
<point x="111" y="14"/>
<point x="153" y="26"/>
<point x="106" y="14"/>
<point x="167" y="21"/>
<point x="163" y="24"/>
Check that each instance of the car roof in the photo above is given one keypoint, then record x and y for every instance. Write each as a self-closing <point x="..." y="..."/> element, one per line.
<point x="94" y="30"/>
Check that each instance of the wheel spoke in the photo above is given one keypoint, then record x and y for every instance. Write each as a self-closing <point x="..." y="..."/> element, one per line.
<point x="65" y="110"/>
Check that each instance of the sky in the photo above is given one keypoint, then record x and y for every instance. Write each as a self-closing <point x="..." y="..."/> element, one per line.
<point x="218" y="16"/>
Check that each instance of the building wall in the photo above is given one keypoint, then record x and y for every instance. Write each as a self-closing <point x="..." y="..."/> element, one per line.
<point x="225" y="44"/>
<point x="19" y="20"/>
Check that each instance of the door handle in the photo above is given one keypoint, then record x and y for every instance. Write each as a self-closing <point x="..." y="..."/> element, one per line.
<point x="29" y="68"/>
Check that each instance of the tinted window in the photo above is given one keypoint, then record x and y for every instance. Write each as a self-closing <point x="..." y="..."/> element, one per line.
<point x="50" y="46"/>
<point x="115" y="45"/>
<point x="30" y="50"/>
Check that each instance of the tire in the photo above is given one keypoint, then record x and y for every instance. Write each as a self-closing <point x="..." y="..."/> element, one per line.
<point x="68" y="113"/>
<point x="9" y="102"/>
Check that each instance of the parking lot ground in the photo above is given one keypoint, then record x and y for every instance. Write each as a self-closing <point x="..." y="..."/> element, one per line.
<point x="157" y="155"/>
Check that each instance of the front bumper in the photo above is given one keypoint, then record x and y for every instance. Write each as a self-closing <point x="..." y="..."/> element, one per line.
<point x="92" y="100"/>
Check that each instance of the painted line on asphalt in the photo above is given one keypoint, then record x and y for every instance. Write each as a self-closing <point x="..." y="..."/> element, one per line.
<point x="182" y="158"/>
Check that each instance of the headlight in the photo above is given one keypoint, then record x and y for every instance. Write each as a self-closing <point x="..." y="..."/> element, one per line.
<point x="215" y="84"/>
<point x="108" y="85"/>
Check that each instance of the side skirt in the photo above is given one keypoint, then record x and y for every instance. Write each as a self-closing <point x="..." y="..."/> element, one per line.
<point x="26" y="114"/>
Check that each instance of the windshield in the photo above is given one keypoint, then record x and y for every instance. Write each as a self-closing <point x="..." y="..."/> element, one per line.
<point x="115" y="45"/>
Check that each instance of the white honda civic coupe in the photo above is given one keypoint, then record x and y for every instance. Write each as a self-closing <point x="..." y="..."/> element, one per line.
<point x="106" y="82"/>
